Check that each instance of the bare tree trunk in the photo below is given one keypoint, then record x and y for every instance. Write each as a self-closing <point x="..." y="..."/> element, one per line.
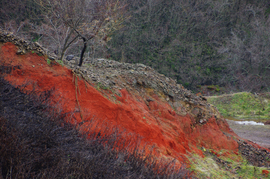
<point x="83" y="50"/>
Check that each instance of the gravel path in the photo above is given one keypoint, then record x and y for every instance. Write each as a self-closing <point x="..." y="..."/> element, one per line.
<point x="255" y="133"/>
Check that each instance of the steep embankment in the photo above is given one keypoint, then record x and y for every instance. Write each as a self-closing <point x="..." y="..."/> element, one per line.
<point x="134" y="98"/>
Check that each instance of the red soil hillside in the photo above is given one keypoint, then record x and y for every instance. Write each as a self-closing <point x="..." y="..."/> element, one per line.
<point x="134" y="98"/>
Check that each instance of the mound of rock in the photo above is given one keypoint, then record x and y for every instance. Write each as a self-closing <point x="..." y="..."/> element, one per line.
<point x="115" y="75"/>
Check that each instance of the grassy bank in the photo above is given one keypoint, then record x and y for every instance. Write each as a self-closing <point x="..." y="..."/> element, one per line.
<point x="235" y="166"/>
<point x="243" y="105"/>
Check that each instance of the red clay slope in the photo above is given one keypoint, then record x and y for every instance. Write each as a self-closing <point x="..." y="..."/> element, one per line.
<point x="171" y="135"/>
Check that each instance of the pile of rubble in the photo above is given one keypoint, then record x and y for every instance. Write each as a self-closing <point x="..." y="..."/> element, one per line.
<point x="25" y="46"/>
<point x="115" y="75"/>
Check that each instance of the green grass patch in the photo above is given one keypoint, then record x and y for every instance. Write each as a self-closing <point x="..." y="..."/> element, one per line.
<point x="101" y="86"/>
<point x="60" y="62"/>
<point x="236" y="167"/>
<point x="207" y="168"/>
<point x="242" y="105"/>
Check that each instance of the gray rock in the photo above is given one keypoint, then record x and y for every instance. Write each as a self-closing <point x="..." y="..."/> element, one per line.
<point x="69" y="57"/>
<point x="100" y="60"/>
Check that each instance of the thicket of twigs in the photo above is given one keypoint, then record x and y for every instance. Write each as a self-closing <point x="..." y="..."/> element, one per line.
<point x="210" y="42"/>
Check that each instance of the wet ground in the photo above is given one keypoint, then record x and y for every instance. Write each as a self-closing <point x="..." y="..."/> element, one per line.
<point x="259" y="134"/>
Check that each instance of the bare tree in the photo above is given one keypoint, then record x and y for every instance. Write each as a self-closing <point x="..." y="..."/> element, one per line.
<point x="68" y="21"/>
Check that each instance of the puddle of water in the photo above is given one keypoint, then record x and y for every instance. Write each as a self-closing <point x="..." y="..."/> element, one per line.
<point x="249" y="123"/>
<point x="259" y="134"/>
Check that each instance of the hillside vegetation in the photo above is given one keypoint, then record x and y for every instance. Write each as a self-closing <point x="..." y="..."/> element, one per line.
<point x="243" y="105"/>
<point x="223" y="42"/>
<point x="211" y="42"/>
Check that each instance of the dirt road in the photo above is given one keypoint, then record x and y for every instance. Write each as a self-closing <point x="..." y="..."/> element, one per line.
<point x="259" y="134"/>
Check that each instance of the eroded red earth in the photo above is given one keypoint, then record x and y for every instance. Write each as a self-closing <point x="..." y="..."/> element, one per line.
<point x="170" y="134"/>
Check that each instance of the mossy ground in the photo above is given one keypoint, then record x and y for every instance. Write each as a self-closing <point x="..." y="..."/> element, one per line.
<point x="233" y="166"/>
<point x="243" y="105"/>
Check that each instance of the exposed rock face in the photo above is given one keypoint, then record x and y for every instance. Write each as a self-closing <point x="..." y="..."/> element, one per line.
<point x="132" y="96"/>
